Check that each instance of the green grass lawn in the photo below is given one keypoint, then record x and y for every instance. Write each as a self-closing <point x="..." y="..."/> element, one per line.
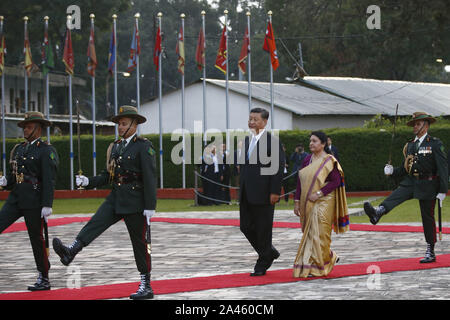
<point x="407" y="212"/>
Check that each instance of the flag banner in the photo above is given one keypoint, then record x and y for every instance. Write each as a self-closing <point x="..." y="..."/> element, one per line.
<point x="157" y="51"/>
<point x="28" y="64"/>
<point x="180" y="52"/>
<point x="92" y="56"/>
<point x="2" y="52"/>
<point x="135" y="50"/>
<point x="48" y="61"/>
<point x="245" y="50"/>
<point x="270" y="47"/>
<point x="68" y="58"/>
<point x="112" y="53"/>
<point x="200" y="51"/>
<point x="221" y="59"/>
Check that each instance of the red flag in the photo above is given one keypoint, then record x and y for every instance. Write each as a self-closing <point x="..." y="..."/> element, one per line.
<point x="27" y="51"/>
<point x="135" y="50"/>
<point x="221" y="60"/>
<point x="200" y="51"/>
<point x="180" y="52"/>
<point x="68" y="53"/>
<point x="245" y="50"/>
<point x="92" y="56"/>
<point x="269" y="46"/>
<point x="157" y="52"/>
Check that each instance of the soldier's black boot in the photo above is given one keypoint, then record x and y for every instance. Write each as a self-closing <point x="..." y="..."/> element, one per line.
<point x="429" y="255"/>
<point x="145" y="290"/>
<point x="374" y="213"/>
<point x="67" y="254"/>
<point x="42" y="284"/>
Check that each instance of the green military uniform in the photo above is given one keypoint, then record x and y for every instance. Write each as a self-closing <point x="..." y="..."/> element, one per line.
<point x="31" y="179"/>
<point x="425" y="173"/>
<point x="131" y="170"/>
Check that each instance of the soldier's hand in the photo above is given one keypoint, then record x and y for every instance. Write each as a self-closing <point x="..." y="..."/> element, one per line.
<point x="3" y="181"/>
<point x="46" y="212"/>
<point x="148" y="215"/>
<point x="441" y="197"/>
<point x="388" y="170"/>
<point x="81" y="181"/>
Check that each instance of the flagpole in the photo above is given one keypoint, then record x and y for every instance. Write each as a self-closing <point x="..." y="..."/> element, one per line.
<point x="114" y="16"/>
<point x="249" y="70"/>
<point x="69" y="18"/>
<point x="47" y="86"/>
<point x="183" y="116"/>
<point x="25" y="70"/>
<point x="204" y="79"/>
<point x="272" y="124"/>
<point x="3" y="102"/>
<point x="227" y="102"/>
<point x="161" y="166"/>
<point x="138" y="85"/>
<point x="94" y="145"/>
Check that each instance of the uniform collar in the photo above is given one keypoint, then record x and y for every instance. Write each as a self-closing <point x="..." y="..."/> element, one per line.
<point x="421" y="138"/>
<point x="127" y="140"/>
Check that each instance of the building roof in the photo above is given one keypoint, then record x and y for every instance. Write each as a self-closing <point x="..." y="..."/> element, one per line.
<point x="349" y="96"/>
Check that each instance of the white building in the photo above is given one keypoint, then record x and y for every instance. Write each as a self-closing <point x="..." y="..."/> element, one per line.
<point x="297" y="105"/>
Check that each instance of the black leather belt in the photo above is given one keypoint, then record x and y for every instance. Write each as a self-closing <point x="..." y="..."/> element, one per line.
<point x="28" y="179"/>
<point x="127" y="178"/>
<point x="428" y="177"/>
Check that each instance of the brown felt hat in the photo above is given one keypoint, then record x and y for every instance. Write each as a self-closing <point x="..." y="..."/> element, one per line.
<point x="128" y="112"/>
<point x="34" y="116"/>
<point x="420" y="116"/>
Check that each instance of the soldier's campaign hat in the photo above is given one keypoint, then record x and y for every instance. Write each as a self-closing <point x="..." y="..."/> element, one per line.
<point x="420" y="116"/>
<point x="129" y="112"/>
<point x="34" y="116"/>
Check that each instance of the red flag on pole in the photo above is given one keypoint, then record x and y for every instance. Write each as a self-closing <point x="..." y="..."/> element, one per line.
<point x="245" y="50"/>
<point x="200" y="51"/>
<point x="27" y="51"/>
<point x="221" y="59"/>
<point x="68" y="53"/>
<point x="180" y="52"/>
<point x="269" y="46"/>
<point x="92" y="56"/>
<point x="157" y="51"/>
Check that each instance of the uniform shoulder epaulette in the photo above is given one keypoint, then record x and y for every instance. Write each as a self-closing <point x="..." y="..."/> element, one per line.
<point x="140" y="138"/>
<point x="117" y="141"/>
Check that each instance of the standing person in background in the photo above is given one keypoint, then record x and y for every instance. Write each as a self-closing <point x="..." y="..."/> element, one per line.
<point x="285" y="182"/>
<point x="297" y="157"/>
<point x="226" y="174"/>
<point x="236" y="167"/>
<point x="332" y="149"/>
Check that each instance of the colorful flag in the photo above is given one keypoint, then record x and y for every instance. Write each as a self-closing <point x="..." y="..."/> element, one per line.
<point x="68" y="58"/>
<point x="92" y="56"/>
<point x="47" y="55"/>
<point x="2" y="52"/>
<point x="157" y="51"/>
<point x="180" y="52"/>
<point x="221" y="59"/>
<point x="200" y="51"/>
<point x="135" y="50"/>
<point x="245" y="50"/>
<point x="112" y="53"/>
<point x="269" y="46"/>
<point x="27" y="52"/>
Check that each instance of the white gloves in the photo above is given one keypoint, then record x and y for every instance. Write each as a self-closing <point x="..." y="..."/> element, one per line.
<point x="81" y="181"/>
<point x="45" y="213"/>
<point x="148" y="214"/>
<point x="388" y="170"/>
<point x="3" y="181"/>
<point x="441" y="197"/>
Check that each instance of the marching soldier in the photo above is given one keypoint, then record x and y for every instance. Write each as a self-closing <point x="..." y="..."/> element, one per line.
<point x="131" y="170"/>
<point x="31" y="179"/>
<point x="426" y="179"/>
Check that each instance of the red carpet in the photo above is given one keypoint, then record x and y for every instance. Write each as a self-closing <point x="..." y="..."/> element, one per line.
<point x="223" y="281"/>
<point x="20" y="226"/>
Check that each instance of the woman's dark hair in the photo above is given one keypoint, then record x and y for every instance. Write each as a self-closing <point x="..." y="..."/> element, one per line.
<point x="322" y="137"/>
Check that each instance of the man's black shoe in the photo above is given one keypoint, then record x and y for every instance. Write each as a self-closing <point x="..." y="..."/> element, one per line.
<point x="145" y="290"/>
<point x="257" y="273"/>
<point x="429" y="255"/>
<point x="374" y="213"/>
<point x="41" y="284"/>
<point x="67" y="254"/>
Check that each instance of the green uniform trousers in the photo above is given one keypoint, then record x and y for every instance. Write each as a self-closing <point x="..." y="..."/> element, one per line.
<point x="136" y="225"/>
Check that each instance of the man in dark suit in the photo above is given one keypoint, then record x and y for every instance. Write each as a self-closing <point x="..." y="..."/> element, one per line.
<point x="261" y="174"/>
<point x="333" y="149"/>
<point x="131" y="169"/>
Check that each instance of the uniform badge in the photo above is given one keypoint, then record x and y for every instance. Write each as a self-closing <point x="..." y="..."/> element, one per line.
<point x="151" y="151"/>
<point x="52" y="156"/>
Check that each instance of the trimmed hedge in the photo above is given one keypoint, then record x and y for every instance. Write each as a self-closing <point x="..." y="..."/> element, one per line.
<point x="363" y="153"/>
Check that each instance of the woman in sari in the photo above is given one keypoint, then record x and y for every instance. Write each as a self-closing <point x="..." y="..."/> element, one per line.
<point x="321" y="204"/>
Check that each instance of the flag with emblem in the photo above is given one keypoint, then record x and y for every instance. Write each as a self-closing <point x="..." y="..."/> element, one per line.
<point x="47" y="54"/>
<point x="270" y="46"/>
<point x="135" y="49"/>
<point x="2" y="51"/>
<point x="245" y="50"/>
<point x="200" y="51"/>
<point x="157" y="51"/>
<point x="27" y="53"/>
<point x="221" y="59"/>
<point x="92" y="56"/>
<point x="112" y="53"/>
<point x="68" y="58"/>
<point x="180" y="51"/>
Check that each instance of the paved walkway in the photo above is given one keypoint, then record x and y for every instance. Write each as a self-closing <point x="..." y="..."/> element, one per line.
<point x="188" y="250"/>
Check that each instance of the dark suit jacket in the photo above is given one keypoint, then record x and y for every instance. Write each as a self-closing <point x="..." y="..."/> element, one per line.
<point x="334" y="152"/>
<point x="257" y="186"/>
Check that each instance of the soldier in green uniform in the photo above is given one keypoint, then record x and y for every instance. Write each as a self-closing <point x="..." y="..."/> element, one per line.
<point x="31" y="179"/>
<point x="131" y="170"/>
<point x="425" y="172"/>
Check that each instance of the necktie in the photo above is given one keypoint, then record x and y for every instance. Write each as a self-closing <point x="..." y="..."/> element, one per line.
<point x="416" y="145"/>
<point x="122" y="146"/>
<point x="251" y="147"/>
